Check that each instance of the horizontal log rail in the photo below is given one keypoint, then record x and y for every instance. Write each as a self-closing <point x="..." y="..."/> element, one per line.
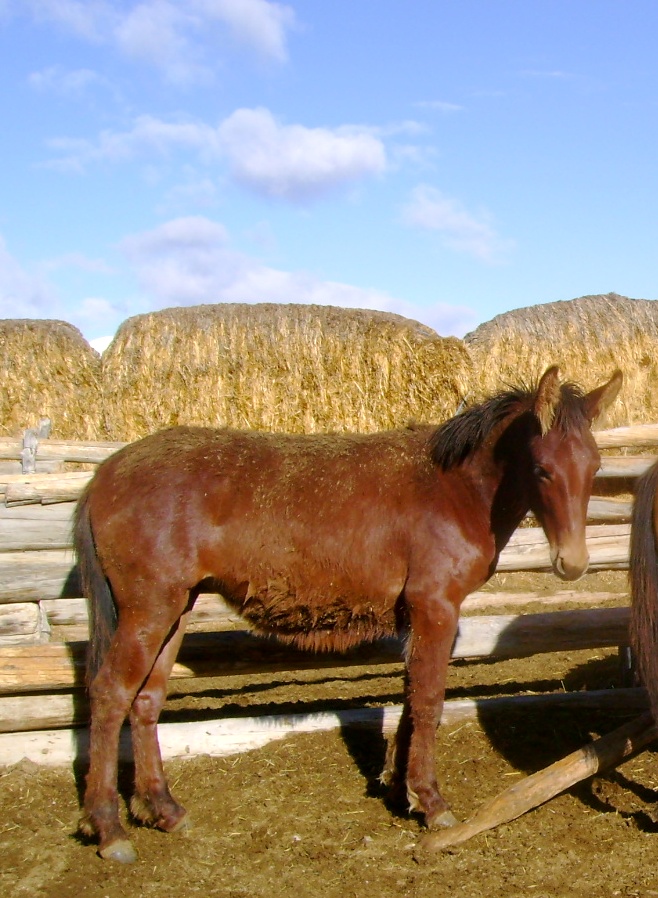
<point x="23" y="621"/>
<point x="220" y="737"/>
<point x="53" y="666"/>
<point x="27" y="713"/>
<point x="639" y="436"/>
<point x="43" y="489"/>
<point x="92" y="452"/>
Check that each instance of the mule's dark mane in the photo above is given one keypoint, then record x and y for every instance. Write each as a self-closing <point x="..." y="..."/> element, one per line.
<point x="456" y="440"/>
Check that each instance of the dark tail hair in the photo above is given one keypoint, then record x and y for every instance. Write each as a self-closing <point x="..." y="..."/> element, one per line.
<point x="643" y="574"/>
<point x="96" y="588"/>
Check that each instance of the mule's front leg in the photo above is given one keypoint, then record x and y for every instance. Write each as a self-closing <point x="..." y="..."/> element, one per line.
<point x="433" y="628"/>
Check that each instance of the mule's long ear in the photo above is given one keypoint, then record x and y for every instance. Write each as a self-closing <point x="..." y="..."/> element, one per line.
<point x="547" y="398"/>
<point x="599" y="399"/>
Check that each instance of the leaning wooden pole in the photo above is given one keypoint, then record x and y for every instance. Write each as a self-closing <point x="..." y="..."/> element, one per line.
<point x="534" y="790"/>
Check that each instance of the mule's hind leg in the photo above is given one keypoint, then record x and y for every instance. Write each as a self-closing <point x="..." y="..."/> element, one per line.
<point x="135" y="646"/>
<point x="110" y="701"/>
<point x="411" y="762"/>
<point x="152" y="802"/>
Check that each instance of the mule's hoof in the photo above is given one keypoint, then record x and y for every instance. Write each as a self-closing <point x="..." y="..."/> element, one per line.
<point x="182" y="826"/>
<point x="121" y="851"/>
<point x="442" y="820"/>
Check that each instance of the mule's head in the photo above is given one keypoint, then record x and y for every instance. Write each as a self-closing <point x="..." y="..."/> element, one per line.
<point x="564" y="459"/>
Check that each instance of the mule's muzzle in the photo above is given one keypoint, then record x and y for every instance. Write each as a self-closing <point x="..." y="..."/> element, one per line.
<point x="570" y="565"/>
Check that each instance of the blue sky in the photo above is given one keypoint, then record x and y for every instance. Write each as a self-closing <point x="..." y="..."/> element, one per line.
<point x="445" y="160"/>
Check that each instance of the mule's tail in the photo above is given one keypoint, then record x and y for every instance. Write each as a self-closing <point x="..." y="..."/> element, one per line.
<point x="643" y="629"/>
<point x="95" y="587"/>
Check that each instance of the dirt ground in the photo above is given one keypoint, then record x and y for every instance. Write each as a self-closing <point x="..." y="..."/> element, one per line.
<point x="306" y="816"/>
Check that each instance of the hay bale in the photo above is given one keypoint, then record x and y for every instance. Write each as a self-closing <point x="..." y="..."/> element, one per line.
<point x="588" y="337"/>
<point x="47" y="368"/>
<point x="291" y="368"/>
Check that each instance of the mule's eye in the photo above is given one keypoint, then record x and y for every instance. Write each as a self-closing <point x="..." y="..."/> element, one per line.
<point x="542" y="473"/>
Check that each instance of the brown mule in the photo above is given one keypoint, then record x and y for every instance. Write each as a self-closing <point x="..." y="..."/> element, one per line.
<point x="325" y="541"/>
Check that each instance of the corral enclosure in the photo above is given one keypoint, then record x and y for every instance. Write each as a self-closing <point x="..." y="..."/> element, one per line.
<point x="307" y="813"/>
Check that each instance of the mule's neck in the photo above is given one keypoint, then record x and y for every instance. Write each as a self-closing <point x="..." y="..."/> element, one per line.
<point x="504" y="470"/>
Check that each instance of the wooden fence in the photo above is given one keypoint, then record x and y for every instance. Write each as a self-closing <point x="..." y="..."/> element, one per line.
<point x="43" y="619"/>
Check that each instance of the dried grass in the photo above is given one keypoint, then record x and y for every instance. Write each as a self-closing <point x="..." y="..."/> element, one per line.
<point x="47" y="369"/>
<point x="588" y="338"/>
<point x="291" y="368"/>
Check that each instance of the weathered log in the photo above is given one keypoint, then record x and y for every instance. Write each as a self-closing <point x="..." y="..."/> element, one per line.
<point x="608" y="546"/>
<point x="484" y="599"/>
<point x="46" y="574"/>
<point x="61" y="666"/>
<point x="90" y="452"/>
<point x="34" y="528"/>
<point x="624" y="466"/>
<point x="220" y="737"/>
<point x="637" y="435"/>
<point x="617" y="511"/>
<point x="45" y="514"/>
<point x="23" y="623"/>
<point x="25" y="713"/>
<point x="217" y="738"/>
<point x="10" y="469"/>
<point x="44" y="488"/>
<point x="211" y="610"/>
<point x="535" y="790"/>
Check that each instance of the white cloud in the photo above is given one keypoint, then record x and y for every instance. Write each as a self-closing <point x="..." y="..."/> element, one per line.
<point x="57" y="80"/>
<point x="429" y="209"/>
<point x="22" y="295"/>
<point x="147" y="136"/>
<point x="193" y="192"/>
<point x="156" y="32"/>
<point x="177" y="37"/>
<point x="189" y="261"/>
<point x="87" y="19"/>
<point x="256" y="23"/>
<point x="79" y="261"/>
<point x="182" y="262"/>
<point x="25" y="294"/>
<point x="289" y="162"/>
<point x="545" y="73"/>
<point x="294" y="162"/>
<point x="438" y="106"/>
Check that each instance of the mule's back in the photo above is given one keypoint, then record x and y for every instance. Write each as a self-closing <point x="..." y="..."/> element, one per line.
<point x="307" y="536"/>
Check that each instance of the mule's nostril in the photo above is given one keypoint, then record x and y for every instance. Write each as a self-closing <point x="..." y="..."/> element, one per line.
<point x="568" y="571"/>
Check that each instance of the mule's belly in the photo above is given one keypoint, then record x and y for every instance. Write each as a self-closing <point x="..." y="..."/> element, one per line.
<point x="320" y="616"/>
